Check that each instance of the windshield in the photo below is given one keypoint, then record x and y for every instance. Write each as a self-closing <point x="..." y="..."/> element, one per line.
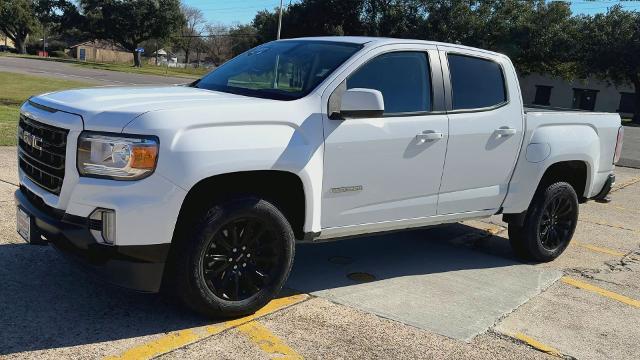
<point x="282" y="70"/>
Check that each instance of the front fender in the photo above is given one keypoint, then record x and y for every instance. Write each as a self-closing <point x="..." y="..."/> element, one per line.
<point x="201" y="149"/>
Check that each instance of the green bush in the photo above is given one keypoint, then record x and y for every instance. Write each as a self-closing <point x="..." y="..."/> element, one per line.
<point x="59" y="54"/>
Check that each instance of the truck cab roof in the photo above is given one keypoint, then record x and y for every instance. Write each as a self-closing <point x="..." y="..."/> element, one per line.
<point x="369" y="41"/>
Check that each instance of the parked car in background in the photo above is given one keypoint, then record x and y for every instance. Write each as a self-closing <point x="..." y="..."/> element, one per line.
<point x="5" y="48"/>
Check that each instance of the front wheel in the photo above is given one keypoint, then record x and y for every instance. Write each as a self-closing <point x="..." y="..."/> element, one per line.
<point x="236" y="259"/>
<point x="549" y="224"/>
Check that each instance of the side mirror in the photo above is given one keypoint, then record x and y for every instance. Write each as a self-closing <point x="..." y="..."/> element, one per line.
<point x="362" y="103"/>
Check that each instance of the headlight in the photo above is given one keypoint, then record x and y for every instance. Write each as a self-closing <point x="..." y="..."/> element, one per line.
<point x="119" y="157"/>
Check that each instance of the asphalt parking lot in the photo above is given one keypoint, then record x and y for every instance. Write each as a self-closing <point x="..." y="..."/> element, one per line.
<point x="452" y="291"/>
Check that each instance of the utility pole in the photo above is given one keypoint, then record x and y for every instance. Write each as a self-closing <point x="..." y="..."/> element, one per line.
<point x="44" y="41"/>
<point x="280" y="20"/>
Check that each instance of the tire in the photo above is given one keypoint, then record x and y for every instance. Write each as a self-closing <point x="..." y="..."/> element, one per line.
<point x="549" y="224"/>
<point x="235" y="259"/>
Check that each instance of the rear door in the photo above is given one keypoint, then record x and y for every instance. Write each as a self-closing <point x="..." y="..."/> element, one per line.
<point x="380" y="169"/>
<point x="486" y="124"/>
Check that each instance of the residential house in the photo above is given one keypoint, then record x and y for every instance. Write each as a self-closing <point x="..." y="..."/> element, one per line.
<point x="6" y="42"/>
<point x="100" y="51"/>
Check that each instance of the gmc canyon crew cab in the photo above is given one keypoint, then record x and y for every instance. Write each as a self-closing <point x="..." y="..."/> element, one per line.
<point x="204" y="189"/>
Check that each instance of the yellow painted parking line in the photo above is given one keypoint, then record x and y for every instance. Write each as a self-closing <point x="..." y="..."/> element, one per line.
<point x="600" y="291"/>
<point x="271" y="307"/>
<point x="537" y="345"/>
<point x="494" y="230"/>
<point x="159" y="346"/>
<point x="267" y="341"/>
<point x="177" y="339"/>
<point x="600" y="249"/>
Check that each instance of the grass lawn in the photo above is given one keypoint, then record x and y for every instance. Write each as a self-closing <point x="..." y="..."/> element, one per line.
<point x="190" y="73"/>
<point x="14" y="90"/>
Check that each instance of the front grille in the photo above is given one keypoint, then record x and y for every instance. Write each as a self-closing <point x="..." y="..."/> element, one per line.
<point x="41" y="153"/>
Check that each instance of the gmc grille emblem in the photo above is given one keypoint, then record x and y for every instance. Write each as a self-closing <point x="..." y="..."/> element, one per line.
<point x="30" y="139"/>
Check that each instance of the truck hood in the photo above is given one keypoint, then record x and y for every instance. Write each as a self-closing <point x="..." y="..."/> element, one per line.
<point x="112" y="108"/>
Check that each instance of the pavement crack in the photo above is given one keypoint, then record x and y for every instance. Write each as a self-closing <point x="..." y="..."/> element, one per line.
<point x="626" y="184"/>
<point x="9" y="182"/>
<point x="608" y="225"/>
<point x="582" y="272"/>
<point x="625" y="263"/>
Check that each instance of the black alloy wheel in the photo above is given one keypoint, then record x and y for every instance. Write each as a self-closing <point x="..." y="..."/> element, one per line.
<point x="240" y="259"/>
<point x="233" y="259"/>
<point x="549" y="223"/>
<point x="557" y="222"/>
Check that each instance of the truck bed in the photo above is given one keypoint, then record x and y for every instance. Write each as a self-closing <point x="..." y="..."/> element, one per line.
<point x="541" y="108"/>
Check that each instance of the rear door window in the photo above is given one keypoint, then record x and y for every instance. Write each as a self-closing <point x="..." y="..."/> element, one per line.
<point x="475" y="83"/>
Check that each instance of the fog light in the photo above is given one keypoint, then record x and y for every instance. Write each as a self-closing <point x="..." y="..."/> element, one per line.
<point x="103" y="225"/>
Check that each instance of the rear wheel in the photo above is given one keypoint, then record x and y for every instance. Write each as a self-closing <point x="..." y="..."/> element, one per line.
<point x="236" y="258"/>
<point x="549" y="224"/>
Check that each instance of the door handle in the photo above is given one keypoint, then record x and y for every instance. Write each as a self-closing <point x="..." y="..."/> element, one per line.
<point x="428" y="135"/>
<point x="505" y="131"/>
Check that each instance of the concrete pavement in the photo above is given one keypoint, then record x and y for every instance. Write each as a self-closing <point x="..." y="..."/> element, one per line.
<point x="94" y="76"/>
<point x="417" y="272"/>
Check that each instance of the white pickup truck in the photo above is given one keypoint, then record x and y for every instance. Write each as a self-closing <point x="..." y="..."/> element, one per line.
<point x="204" y="189"/>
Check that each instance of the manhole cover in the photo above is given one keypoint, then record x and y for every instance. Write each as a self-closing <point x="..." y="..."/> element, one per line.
<point x="361" y="277"/>
<point x="340" y="260"/>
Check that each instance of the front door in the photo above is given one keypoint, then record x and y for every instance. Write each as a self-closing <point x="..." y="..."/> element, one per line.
<point x="485" y="131"/>
<point x="382" y="169"/>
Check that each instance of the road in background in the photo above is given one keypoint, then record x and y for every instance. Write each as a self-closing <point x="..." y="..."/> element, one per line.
<point x="631" y="147"/>
<point x="72" y="72"/>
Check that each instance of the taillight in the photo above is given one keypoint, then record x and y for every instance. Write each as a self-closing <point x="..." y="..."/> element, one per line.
<point x="616" y="156"/>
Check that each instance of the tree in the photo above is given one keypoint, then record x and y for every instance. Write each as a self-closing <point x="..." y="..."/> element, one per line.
<point x="217" y="43"/>
<point x="17" y="21"/>
<point x="187" y="37"/>
<point x="131" y="22"/>
<point x="243" y="38"/>
<point x="393" y="18"/>
<point x="312" y="18"/>
<point x="54" y="15"/>
<point x="610" y="49"/>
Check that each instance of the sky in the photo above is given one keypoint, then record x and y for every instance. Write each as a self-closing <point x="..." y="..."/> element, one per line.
<point x="230" y="12"/>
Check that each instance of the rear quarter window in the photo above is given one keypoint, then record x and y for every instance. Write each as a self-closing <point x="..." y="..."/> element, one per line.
<point x="475" y="82"/>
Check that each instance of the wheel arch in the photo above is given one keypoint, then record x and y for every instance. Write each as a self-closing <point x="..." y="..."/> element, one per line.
<point x="284" y="189"/>
<point x="575" y="172"/>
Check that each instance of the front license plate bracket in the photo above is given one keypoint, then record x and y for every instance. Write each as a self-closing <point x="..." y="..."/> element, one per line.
<point x="25" y="225"/>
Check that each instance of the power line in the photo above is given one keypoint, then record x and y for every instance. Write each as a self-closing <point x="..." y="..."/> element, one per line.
<point x="216" y="35"/>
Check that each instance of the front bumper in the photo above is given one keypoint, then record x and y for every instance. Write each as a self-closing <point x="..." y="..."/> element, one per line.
<point x="137" y="267"/>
